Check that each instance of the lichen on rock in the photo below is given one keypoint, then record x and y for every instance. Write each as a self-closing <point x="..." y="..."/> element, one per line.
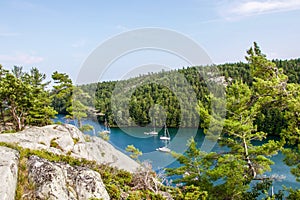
<point x="55" y="181"/>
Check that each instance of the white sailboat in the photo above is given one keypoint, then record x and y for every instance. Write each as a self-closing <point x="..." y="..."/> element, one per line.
<point x="164" y="149"/>
<point x="153" y="132"/>
<point x="166" y="135"/>
<point x="106" y="127"/>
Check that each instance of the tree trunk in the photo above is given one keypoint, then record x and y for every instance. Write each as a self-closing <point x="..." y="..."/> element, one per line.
<point x="2" y="116"/>
<point x="17" y="119"/>
<point x="252" y="169"/>
<point x="79" y="123"/>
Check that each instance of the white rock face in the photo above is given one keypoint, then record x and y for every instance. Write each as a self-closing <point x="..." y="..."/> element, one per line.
<point x="67" y="139"/>
<point x="55" y="181"/>
<point x="9" y="160"/>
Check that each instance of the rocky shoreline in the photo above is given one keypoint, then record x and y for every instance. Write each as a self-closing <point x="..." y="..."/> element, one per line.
<point x="58" y="180"/>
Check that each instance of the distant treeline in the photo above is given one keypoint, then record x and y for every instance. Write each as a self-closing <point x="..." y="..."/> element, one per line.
<point x="139" y="99"/>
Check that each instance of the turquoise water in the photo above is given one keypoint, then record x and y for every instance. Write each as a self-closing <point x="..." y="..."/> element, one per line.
<point x="120" y="138"/>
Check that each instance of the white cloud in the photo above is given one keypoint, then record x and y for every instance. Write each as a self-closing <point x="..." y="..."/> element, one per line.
<point x="21" y="59"/>
<point x="246" y="8"/>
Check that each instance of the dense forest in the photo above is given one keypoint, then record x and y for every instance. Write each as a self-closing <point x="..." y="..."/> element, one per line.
<point x="262" y="99"/>
<point x="139" y="96"/>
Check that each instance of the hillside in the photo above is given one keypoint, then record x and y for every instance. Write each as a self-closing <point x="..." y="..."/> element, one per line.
<point x="136" y="97"/>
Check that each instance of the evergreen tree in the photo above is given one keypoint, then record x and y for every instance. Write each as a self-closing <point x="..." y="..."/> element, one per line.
<point x="231" y="172"/>
<point x="77" y="110"/>
<point x="16" y="98"/>
<point x="41" y="111"/>
<point x="62" y="92"/>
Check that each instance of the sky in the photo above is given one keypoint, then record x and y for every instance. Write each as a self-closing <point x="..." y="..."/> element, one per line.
<point x="60" y="35"/>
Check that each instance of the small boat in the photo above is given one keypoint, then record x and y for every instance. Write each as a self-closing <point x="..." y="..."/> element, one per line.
<point x="106" y="127"/>
<point x="105" y="132"/>
<point x="164" y="149"/>
<point x="153" y="132"/>
<point x="166" y="135"/>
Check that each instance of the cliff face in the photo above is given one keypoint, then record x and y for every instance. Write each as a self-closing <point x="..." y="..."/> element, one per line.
<point x="57" y="180"/>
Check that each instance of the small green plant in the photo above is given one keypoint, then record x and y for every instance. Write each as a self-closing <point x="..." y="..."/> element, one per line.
<point x="43" y="143"/>
<point x="53" y="143"/>
<point x="135" y="152"/>
<point x="58" y="123"/>
<point x="75" y="140"/>
<point x="86" y="127"/>
<point x="87" y="138"/>
<point x="9" y="131"/>
<point x="104" y="136"/>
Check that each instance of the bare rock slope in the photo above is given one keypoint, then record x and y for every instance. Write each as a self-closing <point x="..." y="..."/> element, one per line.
<point x="68" y="140"/>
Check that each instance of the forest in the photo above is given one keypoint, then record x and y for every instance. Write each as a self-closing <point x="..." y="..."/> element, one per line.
<point x="235" y="103"/>
<point x="134" y="100"/>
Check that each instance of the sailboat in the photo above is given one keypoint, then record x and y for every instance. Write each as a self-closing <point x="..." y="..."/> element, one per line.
<point x="166" y="135"/>
<point x="106" y="127"/>
<point x="164" y="149"/>
<point x="153" y="132"/>
<point x="166" y="138"/>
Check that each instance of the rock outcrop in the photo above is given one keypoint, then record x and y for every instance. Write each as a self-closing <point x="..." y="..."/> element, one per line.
<point x="9" y="160"/>
<point x="55" y="181"/>
<point x="68" y="140"/>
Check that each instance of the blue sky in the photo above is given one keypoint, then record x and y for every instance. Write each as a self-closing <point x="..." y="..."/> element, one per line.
<point x="59" y="35"/>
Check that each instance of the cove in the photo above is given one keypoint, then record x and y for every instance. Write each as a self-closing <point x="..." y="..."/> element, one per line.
<point x="120" y="138"/>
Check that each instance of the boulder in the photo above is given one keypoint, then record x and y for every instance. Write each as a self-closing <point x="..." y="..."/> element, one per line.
<point x="68" y="140"/>
<point x="9" y="160"/>
<point x="55" y="181"/>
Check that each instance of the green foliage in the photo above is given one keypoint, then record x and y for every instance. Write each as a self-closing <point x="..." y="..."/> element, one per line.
<point x="86" y="127"/>
<point x="116" y="181"/>
<point x="135" y="153"/>
<point x="24" y="99"/>
<point x="104" y="136"/>
<point x="227" y="175"/>
<point x="194" y="167"/>
<point x="68" y="99"/>
<point x="53" y="143"/>
<point x="62" y="92"/>
<point x="78" y="110"/>
<point x="293" y="194"/>
<point x="142" y="99"/>
<point x="41" y="111"/>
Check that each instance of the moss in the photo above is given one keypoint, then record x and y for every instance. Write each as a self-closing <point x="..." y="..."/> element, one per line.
<point x="104" y="136"/>
<point x="59" y="123"/>
<point x="87" y="138"/>
<point x="9" y="131"/>
<point x="117" y="182"/>
<point x="43" y="143"/>
<point x="75" y="140"/>
<point x="53" y="143"/>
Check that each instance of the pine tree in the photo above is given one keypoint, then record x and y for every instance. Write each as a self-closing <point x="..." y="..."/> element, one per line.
<point x="41" y="111"/>
<point x="62" y="92"/>
<point x="77" y="110"/>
